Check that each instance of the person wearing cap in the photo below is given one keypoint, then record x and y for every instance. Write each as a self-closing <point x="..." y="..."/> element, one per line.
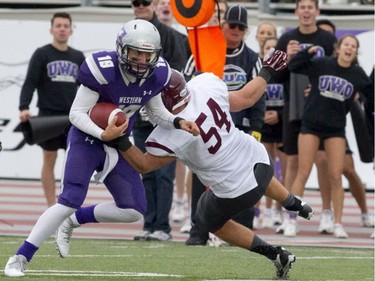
<point x="240" y="62"/>
<point x="238" y="70"/>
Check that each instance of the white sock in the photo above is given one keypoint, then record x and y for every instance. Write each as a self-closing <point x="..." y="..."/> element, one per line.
<point x="109" y="212"/>
<point x="48" y="223"/>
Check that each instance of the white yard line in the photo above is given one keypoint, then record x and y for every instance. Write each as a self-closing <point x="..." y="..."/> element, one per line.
<point x="97" y="273"/>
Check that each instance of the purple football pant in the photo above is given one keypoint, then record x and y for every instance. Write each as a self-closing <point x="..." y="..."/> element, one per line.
<point x="85" y="155"/>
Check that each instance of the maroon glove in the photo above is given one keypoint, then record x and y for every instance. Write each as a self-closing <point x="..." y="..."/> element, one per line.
<point x="273" y="61"/>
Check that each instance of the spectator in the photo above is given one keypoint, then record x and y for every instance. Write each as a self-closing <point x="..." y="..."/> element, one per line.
<point x="52" y="71"/>
<point x="164" y="14"/>
<point x="326" y="25"/>
<point x="158" y="184"/>
<point x="369" y="111"/>
<point x="235" y="165"/>
<point x="266" y="29"/>
<point x="327" y="101"/>
<point x="272" y="138"/>
<point x="173" y="49"/>
<point x="306" y="34"/>
<point x="121" y="77"/>
<point x="238" y="70"/>
<point x="355" y="184"/>
<point x="178" y="213"/>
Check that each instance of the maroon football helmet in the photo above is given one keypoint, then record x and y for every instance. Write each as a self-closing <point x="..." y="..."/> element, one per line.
<point x="176" y="93"/>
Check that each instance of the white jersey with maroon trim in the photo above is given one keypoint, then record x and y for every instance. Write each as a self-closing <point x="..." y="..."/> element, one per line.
<point x="223" y="157"/>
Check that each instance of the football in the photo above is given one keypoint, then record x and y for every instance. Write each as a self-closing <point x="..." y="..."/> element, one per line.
<point x="102" y="114"/>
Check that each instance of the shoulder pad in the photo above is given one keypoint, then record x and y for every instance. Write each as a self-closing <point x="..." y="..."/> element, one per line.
<point x="99" y="68"/>
<point x="162" y="71"/>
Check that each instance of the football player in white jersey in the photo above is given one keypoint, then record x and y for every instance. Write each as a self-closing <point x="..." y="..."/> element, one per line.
<point x="234" y="164"/>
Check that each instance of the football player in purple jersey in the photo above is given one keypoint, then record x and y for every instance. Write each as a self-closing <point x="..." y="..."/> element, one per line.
<point x="131" y="77"/>
<point x="234" y="164"/>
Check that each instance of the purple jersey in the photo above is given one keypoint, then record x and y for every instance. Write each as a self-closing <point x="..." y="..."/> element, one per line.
<point x="101" y="73"/>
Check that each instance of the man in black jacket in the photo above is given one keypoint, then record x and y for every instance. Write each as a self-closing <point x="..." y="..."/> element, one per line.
<point x="158" y="184"/>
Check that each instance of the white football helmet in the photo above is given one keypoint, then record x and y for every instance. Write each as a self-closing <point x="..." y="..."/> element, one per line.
<point x="141" y="36"/>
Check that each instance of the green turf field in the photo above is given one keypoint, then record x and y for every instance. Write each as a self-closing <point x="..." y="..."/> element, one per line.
<point x="130" y="260"/>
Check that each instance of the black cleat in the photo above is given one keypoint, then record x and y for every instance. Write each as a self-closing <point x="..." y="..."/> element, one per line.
<point x="196" y="240"/>
<point x="301" y="208"/>
<point x="283" y="262"/>
<point x="306" y="212"/>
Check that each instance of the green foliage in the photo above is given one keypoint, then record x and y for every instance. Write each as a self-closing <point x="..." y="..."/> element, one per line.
<point x="133" y="260"/>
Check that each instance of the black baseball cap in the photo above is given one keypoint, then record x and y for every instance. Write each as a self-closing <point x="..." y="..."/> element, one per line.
<point x="236" y="15"/>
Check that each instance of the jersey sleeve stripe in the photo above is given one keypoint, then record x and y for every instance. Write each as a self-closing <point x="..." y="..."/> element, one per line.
<point x="95" y="70"/>
<point x="158" y="145"/>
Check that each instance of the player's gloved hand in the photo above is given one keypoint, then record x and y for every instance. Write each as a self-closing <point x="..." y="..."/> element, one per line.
<point x="257" y="135"/>
<point x="122" y="143"/>
<point x="273" y="62"/>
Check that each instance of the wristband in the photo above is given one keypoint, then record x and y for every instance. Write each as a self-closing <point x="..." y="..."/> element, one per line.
<point x="265" y="74"/>
<point x="124" y="143"/>
<point x="176" y="122"/>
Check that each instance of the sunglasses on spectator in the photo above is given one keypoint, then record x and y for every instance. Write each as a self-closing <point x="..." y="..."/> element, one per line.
<point x="139" y="3"/>
<point x="234" y="25"/>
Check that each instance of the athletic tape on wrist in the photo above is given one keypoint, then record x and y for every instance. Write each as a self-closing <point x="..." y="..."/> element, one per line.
<point x="265" y="74"/>
<point x="124" y="143"/>
<point x="176" y="122"/>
